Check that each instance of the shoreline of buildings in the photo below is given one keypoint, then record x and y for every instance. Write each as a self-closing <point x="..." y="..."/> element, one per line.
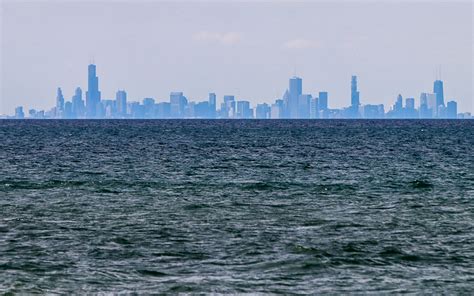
<point x="294" y="104"/>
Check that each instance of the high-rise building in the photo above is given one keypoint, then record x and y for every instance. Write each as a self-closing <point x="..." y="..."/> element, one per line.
<point x="355" y="100"/>
<point x="432" y="106"/>
<point x="424" y="109"/>
<point x="452" y="109"/>
<point x="304" y="106"/>
<point x="93" y="93"/>
<point x="410" y="111"/>
<point x="243" y="110"/>
<point x="438" y="91"/>
<point x="68" y="111"/>
<point x="78" y="106"/>
<point x="59" y="103"/>
<point x="178" y="103"/>
<point x="228" y="107"/>
<point x="277" y="110"/>
<point x="121" y="103"/>
<point x="212" y="105"/>
<point x="19" y="114"/>
<point x="149" y="107"/>
<point x="295" y="90"/>
<point x="314" y="108"/>
<point x="262" y="111"/>
<point x="323" y="100"/>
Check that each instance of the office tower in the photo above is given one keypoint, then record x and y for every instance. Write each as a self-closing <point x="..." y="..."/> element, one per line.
<point x="19" y="113"/>
<point x="398" y="107"/>
<point x="243" y="110"/>
<point x="355" y="102"/>
<point x="438" y="91"/>
<point x="202" y="110"/>
<point x="163" y="110"/>
<point x="323" y="100"/>
<point x="285" y="112"/>
<point x="212" y="105"/>
<point x="59" y="103"/>
<point x="304" y="105"/>
<point x="372" y="111"/>
<point x="93" y="93"/>
<point x="452" y="109"/>
<point x="262" y="111"/>
<point x="228" y="107"/>
<point x="314" y="108"/>
<point x="149" y="107"/>
<point x="277" y="110"/>
<point x="178" y="103"/>
<point x="296" y="89"/>
<point x="432" y="107"/>
<point x="410" y="111"/>
<point x="424" y="110"/>
<point x="121" y="103"/>
<point x="323" y="104"/>
<point x="441" y="111"/>
<point x="78" y="107"/>
<point x="410" y="103"/>
<point x="68" y="110"/>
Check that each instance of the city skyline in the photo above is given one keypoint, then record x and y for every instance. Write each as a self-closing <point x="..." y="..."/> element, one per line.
<point x="293" y="104"/>
<point x="246" y="49"/>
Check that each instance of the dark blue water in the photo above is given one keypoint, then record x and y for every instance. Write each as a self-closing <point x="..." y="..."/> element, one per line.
<point x="237" y="206"/>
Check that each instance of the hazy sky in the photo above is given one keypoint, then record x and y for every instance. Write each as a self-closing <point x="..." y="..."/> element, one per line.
<point x="150" y="48"/>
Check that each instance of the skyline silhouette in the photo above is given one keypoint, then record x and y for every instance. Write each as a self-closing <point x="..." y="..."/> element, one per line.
<point x="293" y="104"/>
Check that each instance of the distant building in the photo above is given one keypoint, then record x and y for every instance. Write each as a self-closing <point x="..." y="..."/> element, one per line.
<point x="373" y="111"/>
<point x="93" y="94"/>
<point x="451" y="110"/>
<point x="19" y="113"/>
<point x="439" y="93"/>
<point x="59" y="103"/>
<point x="304" y="102"/>
<point x="263" y="111"/>
<point x="212" y="105"/>
<point x="121" y="103"/>
<point x="78" y="106"/>
<point x="355" y="99"/>
<point x="295" y="91"/>
<point x="228" y="107"/>
<point x="178" y="102"/>
<point x="277" y="110"/>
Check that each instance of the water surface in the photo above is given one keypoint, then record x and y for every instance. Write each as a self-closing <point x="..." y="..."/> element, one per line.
<point x="237" y="206"/>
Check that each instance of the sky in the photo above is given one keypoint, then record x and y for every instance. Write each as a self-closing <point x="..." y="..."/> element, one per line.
<point x="247" y="49"/>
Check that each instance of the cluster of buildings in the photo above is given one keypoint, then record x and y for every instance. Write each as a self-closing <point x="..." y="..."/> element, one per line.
<point x="294" y="104"/>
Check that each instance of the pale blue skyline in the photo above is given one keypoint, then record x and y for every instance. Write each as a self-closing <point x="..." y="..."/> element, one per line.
<point x="244" y="49"/>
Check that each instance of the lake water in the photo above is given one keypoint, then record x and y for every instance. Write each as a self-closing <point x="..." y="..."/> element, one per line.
<point x="221" y="206"/>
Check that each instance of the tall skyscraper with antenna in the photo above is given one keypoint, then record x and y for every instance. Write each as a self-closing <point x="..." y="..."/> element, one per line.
<point x="93" y="93"/>
<point x="355" y="102"/>
<point x="438" y="91"/>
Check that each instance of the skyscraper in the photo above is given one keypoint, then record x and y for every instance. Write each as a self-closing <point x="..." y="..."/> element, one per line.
<point x="77" y="104"/>
<point x="452" y="110"/>
<point x="304" y="106"/>
<point x="93" y="93"/>
<point x="121" y="103"/>
<point x="212" y="105"/>
<point x="243" y="110"/>
<point x="59" y="103"/>
<point x="178" y="102"/>
<point x="438" y="91"/>
<point x="323" y="100"/>
<point x="19" y="114"/>
<point x="296" y="89"/>
<point x="354" y="98"/>
<point x="228" y="107"/>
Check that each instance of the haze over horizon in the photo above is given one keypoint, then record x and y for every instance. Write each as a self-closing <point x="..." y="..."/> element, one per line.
<point x="249" y="50"/>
